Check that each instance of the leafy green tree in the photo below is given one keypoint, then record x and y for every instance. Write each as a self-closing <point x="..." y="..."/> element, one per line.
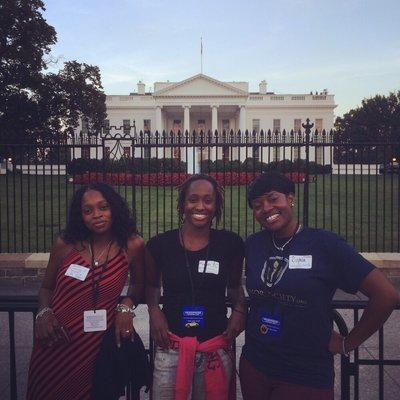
<point x="377" y="124"/>
<point x="38" y="107"/>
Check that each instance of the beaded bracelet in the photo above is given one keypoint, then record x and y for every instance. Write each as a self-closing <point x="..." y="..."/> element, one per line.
<point x="43" y="311"/>
<point x="123" y="308"/>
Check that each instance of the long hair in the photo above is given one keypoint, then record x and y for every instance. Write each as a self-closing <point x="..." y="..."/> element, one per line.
<point x="123" y="225"/>
<point x="183" y="188"/>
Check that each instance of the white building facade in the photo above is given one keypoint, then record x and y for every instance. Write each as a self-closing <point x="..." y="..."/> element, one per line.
<point x="202" y="103"/>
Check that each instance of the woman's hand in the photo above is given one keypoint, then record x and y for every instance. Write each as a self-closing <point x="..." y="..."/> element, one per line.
<point x="336" y="343"/>
<point x="236" y="324"/>
<point x="48" y="330"/>
<point x="124" y="327"/>
<point x="159" y="327"/>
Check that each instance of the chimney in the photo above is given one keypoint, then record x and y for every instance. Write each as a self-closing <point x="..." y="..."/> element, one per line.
<point x="263" y="87"/>
<point x="141" y="87"/>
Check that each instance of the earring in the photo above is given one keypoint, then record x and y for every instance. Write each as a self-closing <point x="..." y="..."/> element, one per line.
<point x="292" y="205"/>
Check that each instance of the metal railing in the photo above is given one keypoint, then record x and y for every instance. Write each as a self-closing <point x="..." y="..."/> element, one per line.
<point x="349" y="367"/>
<point x="343" y="185"/>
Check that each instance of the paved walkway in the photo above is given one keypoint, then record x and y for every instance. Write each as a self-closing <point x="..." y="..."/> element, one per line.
<point x="368" y="374"/>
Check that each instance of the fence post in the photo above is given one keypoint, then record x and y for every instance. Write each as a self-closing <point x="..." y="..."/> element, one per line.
<point x="307" y="126"/>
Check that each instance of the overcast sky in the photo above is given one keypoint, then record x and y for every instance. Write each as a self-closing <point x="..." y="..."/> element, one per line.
<point x="350" y="47"/>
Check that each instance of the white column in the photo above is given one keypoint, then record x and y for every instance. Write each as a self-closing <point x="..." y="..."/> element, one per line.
<point x="159" y="124"/>
<point x="186" y="118"/>
<point x="214" y="127"/>
<point x="214" y="118"/>
<point x="159" y="128"/>
<point x="242" y="127"/>
<point x="242" y="119"/>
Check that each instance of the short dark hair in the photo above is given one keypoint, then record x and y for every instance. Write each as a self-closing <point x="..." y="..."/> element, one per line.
<point x="124" y="223"/>
<point x="219" y="194"/>
<point x="268" y="182"/>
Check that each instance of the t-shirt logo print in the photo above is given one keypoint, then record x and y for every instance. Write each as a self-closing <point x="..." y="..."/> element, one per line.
<point x="273" y="270"/>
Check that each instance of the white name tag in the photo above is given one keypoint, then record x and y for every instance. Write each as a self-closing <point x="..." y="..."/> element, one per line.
<point x="94" y="320"/>
<point x="212" y="267"/>
<point x="300" y="262"/>
<point x="77" y="271"/>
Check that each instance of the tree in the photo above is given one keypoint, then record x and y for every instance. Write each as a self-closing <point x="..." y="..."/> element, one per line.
<point x="38" y="107"/>
<point x="376" y="121"/>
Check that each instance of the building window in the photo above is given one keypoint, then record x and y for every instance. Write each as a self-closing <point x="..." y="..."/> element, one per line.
<point x="106" y="127"/>
<point x="127" y="151"/>
<point x="86" y="152"/>
<point x="276" y="125"/>
<point x="147" y="125"/>
<point x="256" y="126"/>
<point x="107" y="152"/>
<point x="318" y="125"/>
<point x="177" y="126"/>
<point x="201" y="125"/>
<point x="127" y="126"/>
<point x="225" y="125"/>
<point x="297" y="125"/>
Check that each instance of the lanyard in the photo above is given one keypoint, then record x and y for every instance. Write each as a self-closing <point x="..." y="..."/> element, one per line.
<point x="193" y="292"/>
<point x="96" y="282"/>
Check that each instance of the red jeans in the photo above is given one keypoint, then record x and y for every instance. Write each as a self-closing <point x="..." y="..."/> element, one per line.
<point x="258" y="386"/>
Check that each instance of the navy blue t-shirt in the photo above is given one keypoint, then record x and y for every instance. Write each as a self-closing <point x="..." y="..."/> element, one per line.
<point x="290" y="320"/>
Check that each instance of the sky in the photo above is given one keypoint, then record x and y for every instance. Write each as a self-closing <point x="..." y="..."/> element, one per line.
<point x="350" y="47"/>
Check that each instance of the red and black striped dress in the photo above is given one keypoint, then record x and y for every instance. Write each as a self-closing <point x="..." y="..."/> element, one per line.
<point x="65" y="371"/>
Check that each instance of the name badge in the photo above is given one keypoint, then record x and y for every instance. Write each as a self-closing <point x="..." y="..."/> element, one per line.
<point x="212" y="267"/>
<point x="77" y="271"/>
<point x="94" y="320"/>
<point x="193" y="316"/>
<point x="300" y="262"/>
<point x="270" y="325"/>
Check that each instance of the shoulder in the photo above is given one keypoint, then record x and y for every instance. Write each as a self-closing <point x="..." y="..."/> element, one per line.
<point x="163" y="237"/>
<point x="135" y="243"/>
<point x="256" y="237"/>
<point x="61" y="247"/>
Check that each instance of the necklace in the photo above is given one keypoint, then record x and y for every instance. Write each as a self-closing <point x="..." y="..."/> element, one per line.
<point x="96" y="261"/>
<point x="280" y="248"/>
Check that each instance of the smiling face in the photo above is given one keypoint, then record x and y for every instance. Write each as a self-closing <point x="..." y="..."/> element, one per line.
<point x="273" y="210"/>
<point x="200" y="203"/>
<point x="96" y="212"/>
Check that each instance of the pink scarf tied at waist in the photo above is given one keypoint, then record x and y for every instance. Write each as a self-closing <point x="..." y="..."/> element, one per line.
<point x="215" y="379"/>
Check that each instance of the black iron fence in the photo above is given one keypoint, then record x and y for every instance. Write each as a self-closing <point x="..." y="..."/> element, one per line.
<point x="343" y="185"/>
<point x="350" y="374"/>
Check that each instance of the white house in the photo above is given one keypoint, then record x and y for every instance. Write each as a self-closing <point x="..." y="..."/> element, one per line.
<point x="203" y="103"/>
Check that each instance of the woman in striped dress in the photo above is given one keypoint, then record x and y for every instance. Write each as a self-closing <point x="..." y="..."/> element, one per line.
<point x="78" y="301"/>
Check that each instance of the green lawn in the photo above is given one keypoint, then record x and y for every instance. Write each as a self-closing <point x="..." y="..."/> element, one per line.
<point x="363" y="209"/>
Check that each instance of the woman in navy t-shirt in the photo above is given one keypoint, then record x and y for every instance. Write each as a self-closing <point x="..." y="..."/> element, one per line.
<point x="292" y="273"/>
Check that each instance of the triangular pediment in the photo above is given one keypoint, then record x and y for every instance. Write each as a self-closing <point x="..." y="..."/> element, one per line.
<point x="200" y="85"/>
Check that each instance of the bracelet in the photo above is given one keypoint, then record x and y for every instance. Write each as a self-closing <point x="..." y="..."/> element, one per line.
<point x="239" y="311"/>
<point x="344" y="352"/>
<point x="123" y="308"/>
<point x="43" y="311"/>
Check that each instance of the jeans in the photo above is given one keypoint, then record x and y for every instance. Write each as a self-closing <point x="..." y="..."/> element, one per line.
<point x="164" y="375"/>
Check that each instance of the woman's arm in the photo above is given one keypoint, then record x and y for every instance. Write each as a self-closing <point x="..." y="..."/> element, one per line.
<point x="235" y="292"/>
<point x="47" y="328"/>
<point x="124" y="318"/>
<point x="158" y="323"/>
<point x="383" y="297"/>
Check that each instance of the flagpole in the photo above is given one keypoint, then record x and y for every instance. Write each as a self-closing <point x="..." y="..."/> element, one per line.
<point x="201" y="54"/>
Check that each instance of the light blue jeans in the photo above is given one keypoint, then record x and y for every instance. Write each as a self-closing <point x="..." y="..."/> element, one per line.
<point x="164" y="375"/>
